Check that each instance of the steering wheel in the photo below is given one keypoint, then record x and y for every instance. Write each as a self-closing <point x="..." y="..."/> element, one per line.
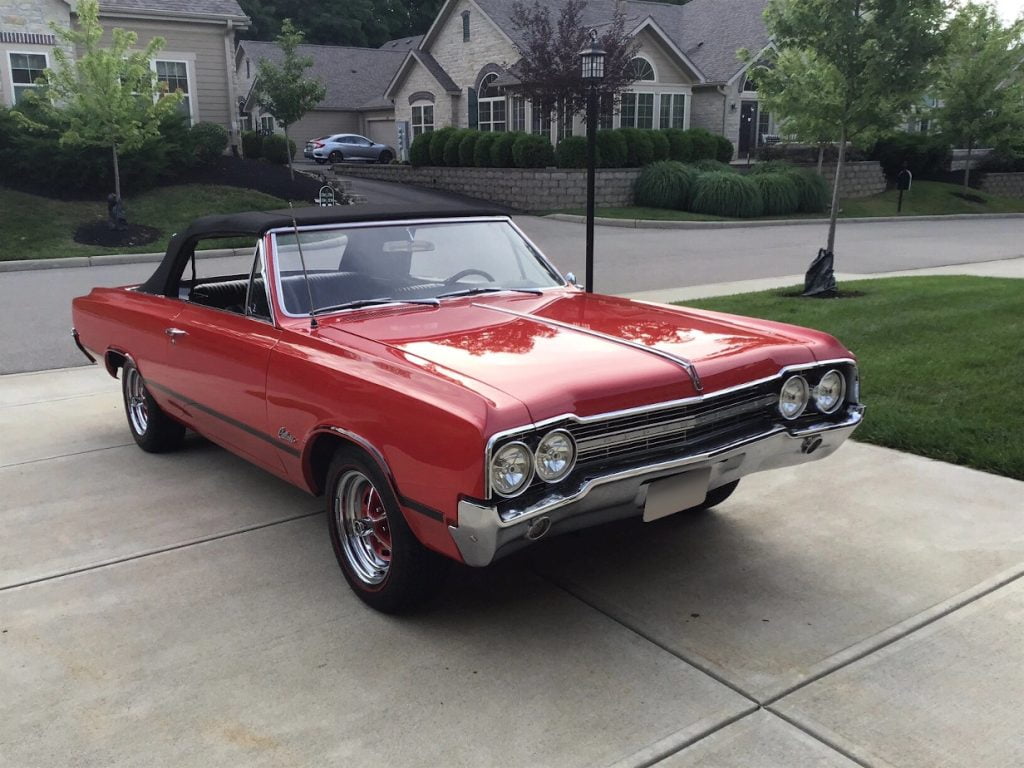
<point x="466" y="273"/>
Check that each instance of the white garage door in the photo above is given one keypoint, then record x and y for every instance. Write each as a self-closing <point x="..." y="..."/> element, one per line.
<point x="382" y="131"/>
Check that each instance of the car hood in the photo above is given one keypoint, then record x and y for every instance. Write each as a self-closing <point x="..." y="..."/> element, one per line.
<point x="571" y="352"/>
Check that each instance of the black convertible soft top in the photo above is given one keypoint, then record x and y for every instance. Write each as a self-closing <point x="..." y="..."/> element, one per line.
<point x="255" y="224"/>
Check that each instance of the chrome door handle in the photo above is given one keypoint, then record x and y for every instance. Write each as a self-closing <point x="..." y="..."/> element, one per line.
<point x="174" y="333"/>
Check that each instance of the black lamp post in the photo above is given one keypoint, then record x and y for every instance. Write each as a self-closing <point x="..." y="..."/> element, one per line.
<point x="592" y="58"/>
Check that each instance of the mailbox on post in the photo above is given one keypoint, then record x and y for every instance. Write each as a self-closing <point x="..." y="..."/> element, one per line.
<point x="903" y="181"/>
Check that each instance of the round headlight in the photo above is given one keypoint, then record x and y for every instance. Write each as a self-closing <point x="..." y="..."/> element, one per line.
<point x="555" y="456"/>
<point x="793" y="397"/>
<point x="829" y="393"/>
<point x="511" y="469"/>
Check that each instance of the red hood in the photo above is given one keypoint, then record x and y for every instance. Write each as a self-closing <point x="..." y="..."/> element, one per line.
<point x="555" y="369"/>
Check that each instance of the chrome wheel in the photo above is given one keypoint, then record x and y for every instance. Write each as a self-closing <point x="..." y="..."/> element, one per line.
<point x="135" y="394"/>
<point x="362" y="520"/>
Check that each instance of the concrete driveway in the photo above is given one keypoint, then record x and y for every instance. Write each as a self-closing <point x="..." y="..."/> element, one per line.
<point x="186" y="610"/>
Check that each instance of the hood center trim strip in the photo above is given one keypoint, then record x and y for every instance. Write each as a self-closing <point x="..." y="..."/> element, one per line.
<point x="682" y="362"/>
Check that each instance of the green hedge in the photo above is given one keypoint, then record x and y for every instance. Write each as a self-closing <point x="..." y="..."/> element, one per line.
<point x="275" y="149"/>
<point x="252" y="145"/>
<point x="571" y="152"/>
<point x="419" y="152"/>
<point x="639" y="147"/>
<point x="501" y="150"/>
<point x="680" y="145"/>
<point x="530" y="151"/>
<point x="705" y="145"/>
<point x="451" y="147"/>
<point x="438" y="143"/>
<point x="611" y="148"/>
<point x="660" y="145"/>
<point x="723" y="149"/>
<point x="779" y="194"/>
<point x="482" y="149"/>
<point x="665" y="184"/>
<point x="726" y="194"/>
<point x="467" y="148"/>
<point x="925" y="155"/>
<point x="208" y="140"/>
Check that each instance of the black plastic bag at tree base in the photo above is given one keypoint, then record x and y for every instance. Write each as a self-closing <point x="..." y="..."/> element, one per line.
<point x="820" y="280"/>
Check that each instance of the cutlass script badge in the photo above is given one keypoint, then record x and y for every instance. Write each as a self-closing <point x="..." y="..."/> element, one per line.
<point x="285" y="435"/>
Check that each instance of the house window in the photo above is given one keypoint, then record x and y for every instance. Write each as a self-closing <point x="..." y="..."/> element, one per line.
<point x="640" y="70"/>
<point x="248" y="72"/>
<point x="422" y="119"/>
<point x="673" y="110"/>
<point x="638" y="110"/>
<point x="749" y="86"/>
<point x="606" y="113"/>
<point x="565" y="121"/>
<point x="266" y="125"/>
<point x="541" y="121"/>
<point x="517" y="113"/>
<point x="763" y="125"/>
<point x="465" y="26"/>
<point x="174" y="76"/>
<point x="491" y="105"/>
<point x="26" y="68"/>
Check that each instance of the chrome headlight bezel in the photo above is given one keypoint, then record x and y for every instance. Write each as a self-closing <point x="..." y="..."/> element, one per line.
<point x="805" y="397"/>
<point x="570" y="464"/>
<point x="840" y="398"/>
<point x="527" y="475"/>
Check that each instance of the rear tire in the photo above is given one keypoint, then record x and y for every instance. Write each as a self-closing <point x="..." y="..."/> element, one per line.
<point x="381" y="558"/>
<point x="336" y="157"/>
<point x="154" y="431"/>
<point x="715" y="497"/>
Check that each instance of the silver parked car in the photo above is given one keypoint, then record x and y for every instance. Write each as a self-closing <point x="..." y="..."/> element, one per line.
<point x="345" y="147"/>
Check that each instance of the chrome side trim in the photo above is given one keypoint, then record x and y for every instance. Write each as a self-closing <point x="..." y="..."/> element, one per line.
<point x="682" y="362"/>
<point x="82" y="349"/>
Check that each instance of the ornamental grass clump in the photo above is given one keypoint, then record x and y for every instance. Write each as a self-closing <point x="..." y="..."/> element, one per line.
<point x="779" y="194"/>
<point x="708" y="165"/>
<point x="771" y="166"/>
<point x="726" y="194"/>
<point x="813" y="193"/>
<point x="665" y="184"/>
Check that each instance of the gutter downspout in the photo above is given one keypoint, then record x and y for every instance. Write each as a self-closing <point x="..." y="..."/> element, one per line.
<point x="725" y="105"/>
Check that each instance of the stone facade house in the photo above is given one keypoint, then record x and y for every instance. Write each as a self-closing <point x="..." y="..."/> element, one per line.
<point x="355" y="79"/>
<point x="198" y="57"/>
<point x="687" y="71"/>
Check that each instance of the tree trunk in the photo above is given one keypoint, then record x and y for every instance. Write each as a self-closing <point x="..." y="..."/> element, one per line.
<point x="117" y="173"/>
<point x="834" y="214"/>
<point x="821" y="157"/>
<point x="288" y="149"/>
<point x="967" y="168"/>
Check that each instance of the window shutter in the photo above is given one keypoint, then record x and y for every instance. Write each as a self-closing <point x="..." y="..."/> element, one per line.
<point x="474" y="109"/>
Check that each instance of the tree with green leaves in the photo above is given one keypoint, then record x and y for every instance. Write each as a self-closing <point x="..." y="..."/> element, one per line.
<point x="980" y="81"/>
<point x="107" y="96"/>
<point x="284" y="91"/>
<point x="870" y="58"/>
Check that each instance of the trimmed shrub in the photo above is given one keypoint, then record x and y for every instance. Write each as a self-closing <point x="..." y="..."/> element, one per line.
<point x="712" y="166"/>
<point x="779" y="195"/>
<point x="1001" y="160"/>
<point x="665" y="184"/>
<point x="501" y="150"/>
<point x="530" y="151"/>
<point x="705" y="146"/>
<point x="419" y="150"/>
<point x="813" y="193"/>
<point x="275" y="149"/>
<point x="680" y="145"/>
<point x="611" y="149"/>
<point x="252" y="145"/>
<point x="659" y="143"/>
<point x="726" y="194"/>
<point x="451" y="147"/>
<point x="639" y="149"/>
<point x="467" y="148"/>
<point x="438" y="142"/>
<point x="723" y="149"/>
<point x="771" y="166"/>
<point x="571" y="152"/>
<point x="482" y="149"/>
<point x="926" y="156"/>
<point x="208" y="141"/>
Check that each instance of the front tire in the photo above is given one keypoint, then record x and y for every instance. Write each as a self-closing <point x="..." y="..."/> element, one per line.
<point x="385" y="157"/>
<point x="154" y="431"/>
<point x="383" y="562"/>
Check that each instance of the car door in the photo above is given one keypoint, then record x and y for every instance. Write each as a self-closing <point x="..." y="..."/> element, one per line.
<point x="365" y="148"/>
<point x="217" y="367"/>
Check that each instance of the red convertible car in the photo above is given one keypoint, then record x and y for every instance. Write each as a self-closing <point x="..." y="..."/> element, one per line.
<point x="450" y="393"/>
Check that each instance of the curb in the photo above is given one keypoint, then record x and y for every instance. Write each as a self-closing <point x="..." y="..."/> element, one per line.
<point x="109" y="259"/>
<point x="656" y="224"/>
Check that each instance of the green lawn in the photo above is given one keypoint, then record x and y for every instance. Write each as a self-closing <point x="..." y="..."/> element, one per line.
<point x="941" y="361"/>
<point x="40" y="228"/>
<point x="927" y="198"/>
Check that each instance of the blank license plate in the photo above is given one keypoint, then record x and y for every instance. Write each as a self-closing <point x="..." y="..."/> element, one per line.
<point x="674" y="494"/>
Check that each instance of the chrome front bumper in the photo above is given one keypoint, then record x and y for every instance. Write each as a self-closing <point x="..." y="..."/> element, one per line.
<point x="484" y="534"/>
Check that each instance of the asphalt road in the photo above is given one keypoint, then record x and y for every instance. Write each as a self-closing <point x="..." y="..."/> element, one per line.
<point x="35" y="315"/>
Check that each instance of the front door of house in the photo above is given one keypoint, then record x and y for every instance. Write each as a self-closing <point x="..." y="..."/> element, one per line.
<point x="748" y="128"/>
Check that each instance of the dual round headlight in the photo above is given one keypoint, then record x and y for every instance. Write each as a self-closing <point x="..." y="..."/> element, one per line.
<point x="513" y="465"/>
<point x="828" y="394"/>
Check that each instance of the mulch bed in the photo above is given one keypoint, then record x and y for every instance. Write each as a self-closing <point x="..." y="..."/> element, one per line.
<point x="253" y="174"/>
<point x="99" y="233"/>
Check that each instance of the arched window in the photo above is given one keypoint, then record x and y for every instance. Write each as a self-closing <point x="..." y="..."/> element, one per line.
<point x="491" y="105"/>
<point x="640" y="70"/>
<point x="748" y="84"/>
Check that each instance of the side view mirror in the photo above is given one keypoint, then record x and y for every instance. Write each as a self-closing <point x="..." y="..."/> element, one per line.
<point x="571" y="279"/>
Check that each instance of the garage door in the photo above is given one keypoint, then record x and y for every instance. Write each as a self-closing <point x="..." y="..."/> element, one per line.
<point x="382" y="131"/>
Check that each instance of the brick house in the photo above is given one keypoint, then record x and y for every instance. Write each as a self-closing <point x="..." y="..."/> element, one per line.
<point x="687" y="72"/>
<point x="198" y="57"/>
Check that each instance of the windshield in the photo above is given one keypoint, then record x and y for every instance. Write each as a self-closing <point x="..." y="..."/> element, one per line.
<point x="356" y="266"/>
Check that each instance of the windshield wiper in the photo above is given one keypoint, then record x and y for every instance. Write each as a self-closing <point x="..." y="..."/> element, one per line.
<point x="488" y="289"/>
<point x="372" y="303"/>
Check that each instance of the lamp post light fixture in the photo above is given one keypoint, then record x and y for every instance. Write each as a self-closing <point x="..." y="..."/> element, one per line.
<point x="592" y="59"/>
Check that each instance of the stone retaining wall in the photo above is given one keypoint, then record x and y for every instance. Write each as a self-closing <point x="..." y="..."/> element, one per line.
<point x="860" y="179"/>
<point x="543" y="189"/>
<point x="1005" y="184"/>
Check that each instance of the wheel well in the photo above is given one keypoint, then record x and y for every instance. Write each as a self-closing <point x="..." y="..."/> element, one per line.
<point x="114" y="360"/>
<point x="320" y="454"/>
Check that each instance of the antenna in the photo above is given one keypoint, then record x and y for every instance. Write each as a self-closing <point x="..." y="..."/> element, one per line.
<point x="302" y="260"/>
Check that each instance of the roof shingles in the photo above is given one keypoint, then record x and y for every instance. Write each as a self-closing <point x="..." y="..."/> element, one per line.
<point x="219" y="8"/>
